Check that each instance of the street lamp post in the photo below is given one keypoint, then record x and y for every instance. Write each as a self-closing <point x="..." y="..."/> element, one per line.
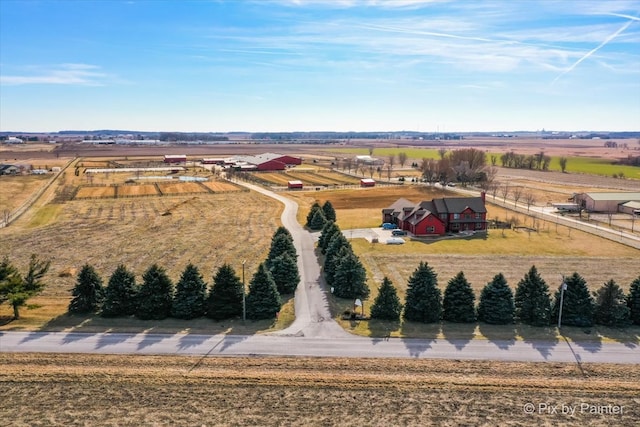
<point x="244" y="295"/>
<point x="562" y="289"/>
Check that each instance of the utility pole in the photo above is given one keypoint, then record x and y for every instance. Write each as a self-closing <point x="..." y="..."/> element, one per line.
<point x="562" y="289"/>
<point x="244" y="296"/>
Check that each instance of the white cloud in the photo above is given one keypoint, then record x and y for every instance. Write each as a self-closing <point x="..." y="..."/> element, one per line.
<point x="63" y="74"/>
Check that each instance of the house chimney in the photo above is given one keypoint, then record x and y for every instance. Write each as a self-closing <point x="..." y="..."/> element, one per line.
<point x="483" y="196"/>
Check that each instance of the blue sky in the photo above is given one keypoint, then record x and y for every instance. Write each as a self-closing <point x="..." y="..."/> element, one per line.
<point x="323" y="65"/>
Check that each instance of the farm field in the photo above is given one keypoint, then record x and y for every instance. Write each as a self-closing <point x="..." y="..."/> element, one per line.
<point x="85" y="192"/>
<point x="180" y="187"/>
<point x="49" y="389"/>
<point x="15" y="190"/>
<point x="137" y="190"/>
<point x="171" y="231"/>
<point x="595" y="159"/>
<point x="221" y="186"/>
<point x="308" y="178"/>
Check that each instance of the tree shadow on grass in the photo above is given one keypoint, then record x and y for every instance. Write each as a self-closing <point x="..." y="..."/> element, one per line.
<point x="542" y="338"/>
<point x="583" y="337"/>
<point x="381" y="330"/>
<point x="502" y="336"/>
<point x="458" y="334"/>
<point x="425" y="333"/>
<point x="629" y="336"/>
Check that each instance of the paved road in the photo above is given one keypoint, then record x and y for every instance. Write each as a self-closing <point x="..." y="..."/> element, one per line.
<point x="347" y="346"/>
<point x="313" y="316"/>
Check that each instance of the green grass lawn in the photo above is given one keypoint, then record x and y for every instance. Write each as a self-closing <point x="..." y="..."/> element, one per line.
<point x="585" y="165"/>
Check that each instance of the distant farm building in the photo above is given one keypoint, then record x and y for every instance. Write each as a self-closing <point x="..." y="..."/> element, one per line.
<point x="369" y="161"/>
<point x="609" y="202"/>
<point x="438" y="216"/>
<point x="212" y="161"/>
<point x="265" y="162"/>
<point x="175" y="158"/>
<point x="9" y="170"/>
<point x="367" y="182"/>
<point x="294" y="184"/>
<point x="13" y="140"/>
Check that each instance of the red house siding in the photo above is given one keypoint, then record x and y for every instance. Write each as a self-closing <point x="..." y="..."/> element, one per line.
<point x="289" y="160"/>
<point x="429" y="221"/>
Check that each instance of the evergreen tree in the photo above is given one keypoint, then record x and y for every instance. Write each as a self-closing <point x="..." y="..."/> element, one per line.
<point x="314" y="208"/>
<point x="16" y="289"/>
<point x="611" y="305"/>
<point x="496" y="302"/>
<point x="189" y="300"/>
<point x="387" y="305"/>
<point x="284" y="271"/>
<point x="458" y="304"/>
<point x="532" y="301"/>
<point x="337" y="243"/>
<point x="577" y="306"/>
<point x="225" y="296"/>
<point x="281" y="244"/>
<point x="350" y="277"/>
<point x="423" y="302"/>
<point x="156" y="294"/>
<point x="88" y="292"/>
<point x="263" y="300"/>
<point x="633" y="301"/>
<point x="328" y="211"/>
<point x="317" y="221"/>
<point x="121" y="294"/>
<point x="329" y="230"/>
<point x="282" y="231"/>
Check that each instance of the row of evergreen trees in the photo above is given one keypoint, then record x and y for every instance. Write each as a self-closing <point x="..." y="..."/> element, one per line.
<point x="319" y="216"/>
<point x="157" y="298"/>
<point x="531" y="304"/>
<point x="343" y="271"/>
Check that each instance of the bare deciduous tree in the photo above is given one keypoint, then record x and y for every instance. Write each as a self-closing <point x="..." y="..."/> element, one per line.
<point x="517" y="194"/>
<point x="530" y="199"/>
<point x="402" y="158"/>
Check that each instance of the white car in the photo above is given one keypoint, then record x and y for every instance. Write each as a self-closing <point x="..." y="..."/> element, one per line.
<point x="395" y="241"/>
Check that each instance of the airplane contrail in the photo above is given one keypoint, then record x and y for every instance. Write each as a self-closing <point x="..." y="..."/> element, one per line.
<point x="594" y="50"/>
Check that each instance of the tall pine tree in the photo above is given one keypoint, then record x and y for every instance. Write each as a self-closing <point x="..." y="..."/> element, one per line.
<point x="314" y="209"/>
<point x="263" y="300"/>
<point x="329" y="230"/>
<point x="189" y="300"/>
<point x="387" y="305"/>
<point x="337" y="243"/>
<point x="350" y="277"/>
<point x="225" y="296"/>
<point x="88" y="292"/>
<point x="328" y="211"/>
<point x="633" y="302"/>
<point x="284" y="271"/>
<point x="423" y="302"/>
<point x="577" y="305"/>
<point x="611" y="305"/>
<point x="496" y="302"/>
<point x="458" y="304"/>
<point x="156" y="294"/>
<point x="317" y="220"/>
<point x="281" y="244"/>
<point x="121" y="294"/>
<point x="532" y="301"/>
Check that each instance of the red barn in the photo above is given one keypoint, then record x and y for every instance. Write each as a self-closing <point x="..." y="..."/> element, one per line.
<point x="294" y="184"/>
<point x="175" y="158"/>
<point x="269" y="161"/>
<point x="367" y="182"/>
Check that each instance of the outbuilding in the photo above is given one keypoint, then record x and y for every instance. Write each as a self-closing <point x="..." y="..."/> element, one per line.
<point x="367" y="182"/>
<point x="175" y="158"/>
<point x="294" y="184"/>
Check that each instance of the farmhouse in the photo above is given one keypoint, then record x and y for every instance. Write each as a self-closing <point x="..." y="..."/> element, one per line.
<point x="294" y="184"/>
<point x="438" y="216"/>
<point x="175" y="158"/>
<point x="609" y="202"/>
<point x="367" y="182"/>
<point x="369" y="161"/>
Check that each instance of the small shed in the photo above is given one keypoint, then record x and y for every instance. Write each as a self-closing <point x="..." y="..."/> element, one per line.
<point x="294" y="184"/>
<point x="367" y="182"/>
<point x="175" y="158"/>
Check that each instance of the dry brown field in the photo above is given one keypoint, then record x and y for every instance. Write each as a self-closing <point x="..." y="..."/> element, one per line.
<point x="55" y="390"/>
<point x="89" y="192"/>
<point x="221" y="186"/>
<point x="180" y="187"/>
<point x="137" y="190"/>
<point x="15" y="190"/>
